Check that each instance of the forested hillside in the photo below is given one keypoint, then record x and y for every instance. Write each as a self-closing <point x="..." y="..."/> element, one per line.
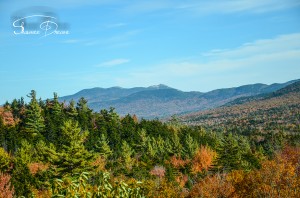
<point x="53" y="149"/>
<point x="162" y="101"/>
<point x="274" y="112"/>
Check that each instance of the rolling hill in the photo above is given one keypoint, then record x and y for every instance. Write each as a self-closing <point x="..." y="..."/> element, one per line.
<point x="163" y="101"/>
<point x="273" y="111"/>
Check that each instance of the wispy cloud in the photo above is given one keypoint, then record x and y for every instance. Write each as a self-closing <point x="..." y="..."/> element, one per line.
<point x="144" y="6"/>
<point x="119" y="40"/>
<point x="232" y="6"/>
<point x="279" y="57"/>
<point x="116" y="25"/>
<point x="112" y="63"/>
<point x="62" y="3"/>
<point x="210" y="7"/>
<point x="278" y="44"/>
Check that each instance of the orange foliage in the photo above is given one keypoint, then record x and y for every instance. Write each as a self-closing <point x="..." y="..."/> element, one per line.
<point x="6" y="190"/>
<point x="292" y="155"/>
<point x="178" y="162"/>
<point x="215" y="186"/>
<point x="36" y="167"/>
<point x="181" y="180"/>
<point x="276" y="178"/>
<point x="203" y="159"/>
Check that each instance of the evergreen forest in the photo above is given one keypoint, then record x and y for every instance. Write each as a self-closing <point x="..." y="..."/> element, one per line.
<point x="59" y="149"/>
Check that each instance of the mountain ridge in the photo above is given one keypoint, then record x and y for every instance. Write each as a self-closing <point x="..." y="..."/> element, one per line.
<point x="163" y="101"/>
<point x="264" y="113"/>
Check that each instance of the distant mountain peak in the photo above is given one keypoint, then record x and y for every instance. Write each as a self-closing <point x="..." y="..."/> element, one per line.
<point x="161" y="100"/>
<point x="116" y="87"/>
<point x="160" y="86"/>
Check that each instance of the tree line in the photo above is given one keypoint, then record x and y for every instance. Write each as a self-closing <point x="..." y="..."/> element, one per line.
<point x="54" y="149"/>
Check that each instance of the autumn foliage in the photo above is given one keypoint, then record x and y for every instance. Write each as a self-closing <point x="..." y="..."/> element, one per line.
<point x="50" y="149"/>
<point x="7" y="117"/>
<point x="158" y="171"/>
<point x="36" y="167"/>
<point x="277" y="178"/>
<point x="6" y="190"/>
<point x="203" y="159"/>
<point x="213" y="186"/>
<point x="178" y="162"/>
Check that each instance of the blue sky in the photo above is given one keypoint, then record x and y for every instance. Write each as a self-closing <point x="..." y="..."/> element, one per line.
<point x="189" y="45"/>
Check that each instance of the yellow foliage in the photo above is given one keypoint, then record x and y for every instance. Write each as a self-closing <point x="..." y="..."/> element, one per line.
<point x="99" y="163"/>
<point x="276" y="178"/>
<point x="163" y="190"/>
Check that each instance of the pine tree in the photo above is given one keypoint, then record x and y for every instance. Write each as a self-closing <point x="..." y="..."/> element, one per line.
<point x="108" y="123"/>
<point x="25" y="152"/>
<point x="141" y="145"/>
<point x="72" y="157"/>
<point x="129" y="130"/>
<point x="102" y="147"/>
<point x="151" y="148"/>
<point x="229" y="155"/>
<point x="190" y="146"/>
<point x="84" y="114"/>
<point x="34" y="122"/>
<point x="160" y="144"/>
<point x="71" y="110"/>
<point x="53" y="119"/>
<point x="126" y="154"/>
<point x="176" y="145"/>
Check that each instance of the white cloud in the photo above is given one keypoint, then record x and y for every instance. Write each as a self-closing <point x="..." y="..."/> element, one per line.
<point x="112" y="63"/>
<point x="258" y="61"/>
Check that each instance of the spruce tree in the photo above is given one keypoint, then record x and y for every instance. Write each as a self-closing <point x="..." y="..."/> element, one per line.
<point x="72" y="157"/>
<point x="71" y="110"/>
<point x="126" y="155"/>
<point x="129" y="133"/>
<point x="102" y="147"/>
<point x="54" y="119"/>
<point x="229" y="155"/>
<point x="190" y="146"/>
<point x="84" y="114"/>
<point x="34" y="122"/>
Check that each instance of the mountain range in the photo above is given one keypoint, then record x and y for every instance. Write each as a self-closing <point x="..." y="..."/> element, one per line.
<point x="162" y="101"/>
<point x="264" y="112"/>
